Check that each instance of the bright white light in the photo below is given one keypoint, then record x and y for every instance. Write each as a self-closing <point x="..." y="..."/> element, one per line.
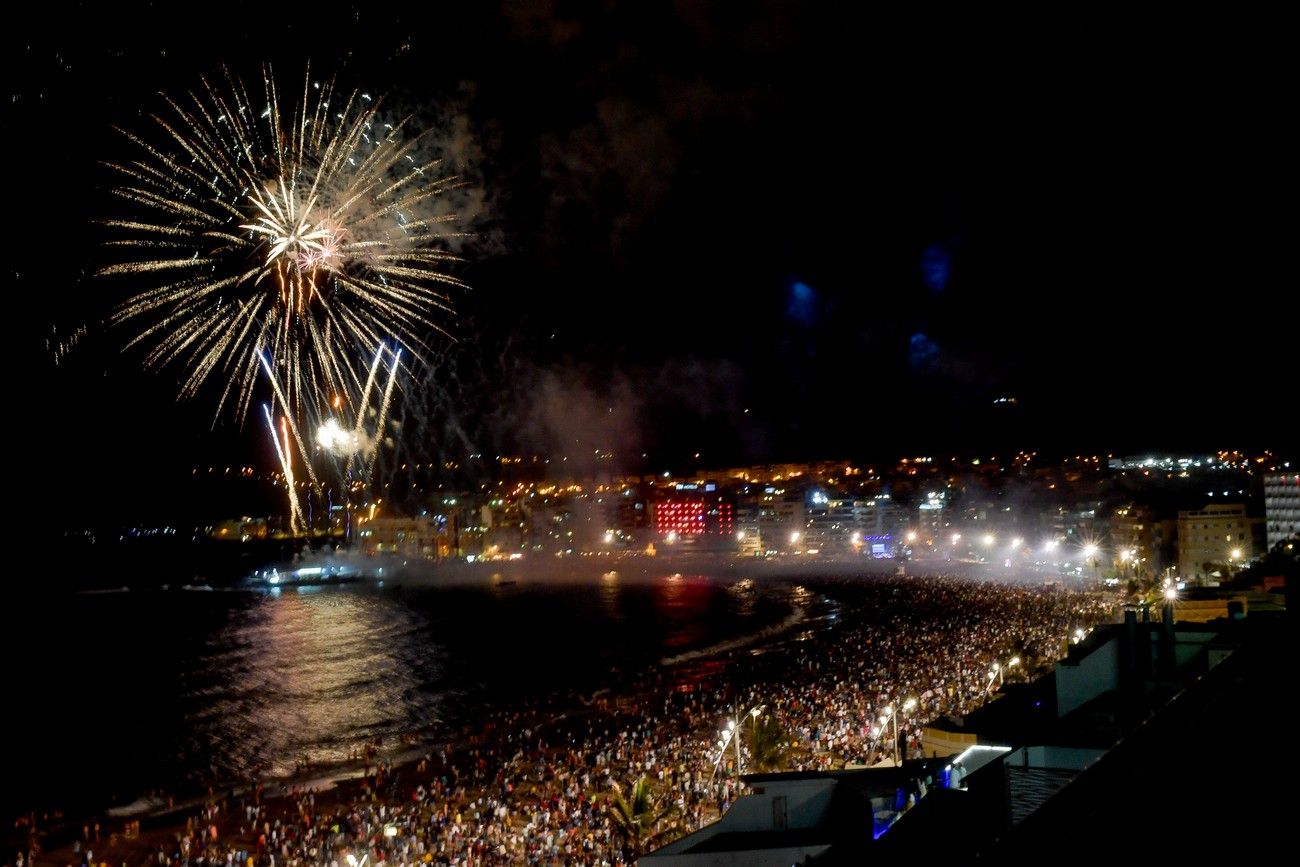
<point x="1050" y="545"/>
<point x="740" y="535"/>
<point x="1013" y="661"/>
<point x="1171" y="594"/>
<point x="1090" y="550"/>
<point x="1016" y="542"/>
<point x="909" y="704"/>
<point x="988" y="539"/>
<point x="334" y="439"/>
<point x="911" y="535"/>
<point x="609" y="536"/>
<point x="794" y="537"/>
<point x="1236" y="554"/>
<point x="672" y="536"/>
<point x="956" y="537"/>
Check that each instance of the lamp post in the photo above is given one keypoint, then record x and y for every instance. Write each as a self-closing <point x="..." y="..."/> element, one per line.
<point x="731" y="734"/>
<point x="997" y="671"/>
<point x="891" y="715"/>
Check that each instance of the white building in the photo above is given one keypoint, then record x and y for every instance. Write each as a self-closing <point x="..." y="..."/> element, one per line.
<point x="1219" y="534"/>
<point x="1282" y="506"/>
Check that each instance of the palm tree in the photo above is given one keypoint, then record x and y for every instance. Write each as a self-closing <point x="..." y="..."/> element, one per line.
<point x="768" y="744"/>
<point x="637" y="817"/>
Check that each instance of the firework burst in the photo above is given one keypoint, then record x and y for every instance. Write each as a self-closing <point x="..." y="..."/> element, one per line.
<point x="311" y="233"/>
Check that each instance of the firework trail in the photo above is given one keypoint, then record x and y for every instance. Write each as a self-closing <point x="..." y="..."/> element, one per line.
<point x="307" y="226"/>
<point x="384" y="406"/>
<point x="286" y="466"/>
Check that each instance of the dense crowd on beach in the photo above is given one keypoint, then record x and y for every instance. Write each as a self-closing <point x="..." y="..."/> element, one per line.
<point x="537" y="785"/>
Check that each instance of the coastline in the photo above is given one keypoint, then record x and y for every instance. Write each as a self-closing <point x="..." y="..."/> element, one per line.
<point x="165" y="814"/>
<point x="630" y="699"/>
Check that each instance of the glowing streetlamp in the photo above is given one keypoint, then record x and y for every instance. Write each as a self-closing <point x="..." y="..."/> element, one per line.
<point x="988" y="540"/>
<point x="731" y="734"/>
<point x="892" y="715"/>
<point x="998" y="671"/>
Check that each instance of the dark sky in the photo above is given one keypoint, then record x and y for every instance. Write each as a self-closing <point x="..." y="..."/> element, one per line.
<point x="758" y="231"/>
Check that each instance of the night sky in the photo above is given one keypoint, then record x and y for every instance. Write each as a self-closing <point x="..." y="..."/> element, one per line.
<point x="802" y="230"/>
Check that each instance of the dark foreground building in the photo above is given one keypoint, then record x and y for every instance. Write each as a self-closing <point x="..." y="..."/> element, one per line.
<point x="1152" y="740"/>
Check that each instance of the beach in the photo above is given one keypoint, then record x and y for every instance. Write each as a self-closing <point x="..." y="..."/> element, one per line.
<point x="533" y="782"/>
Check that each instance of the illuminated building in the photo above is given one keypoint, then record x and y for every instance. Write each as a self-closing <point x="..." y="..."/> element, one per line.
<point x="411" y="537"/>
<point x="832" y="523"/>
<point x="880" y="516"/>
<point x="628" y="513"/>
<point x="1136" y="530"/>
<point x="930" y="519"/>
<point x="692" y="512"/>
<point x="1218" y="535"/>
<point x="1281" y="507"/>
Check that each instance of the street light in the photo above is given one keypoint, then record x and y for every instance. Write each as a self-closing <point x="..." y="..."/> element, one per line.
<point x="998" y="671"/>
<point x="892" y="715"/>
<point x="731" y="734"/>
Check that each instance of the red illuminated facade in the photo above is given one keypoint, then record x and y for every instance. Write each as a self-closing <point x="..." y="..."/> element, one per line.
<point x="693" y="517"/>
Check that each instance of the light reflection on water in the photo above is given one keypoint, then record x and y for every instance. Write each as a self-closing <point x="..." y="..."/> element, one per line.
<point x="312" y="676"/>
<point x="213" y="687"/>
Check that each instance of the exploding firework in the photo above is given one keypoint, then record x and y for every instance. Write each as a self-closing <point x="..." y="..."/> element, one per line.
<point x="353" y="449"/>
<point x="294" y="238"/>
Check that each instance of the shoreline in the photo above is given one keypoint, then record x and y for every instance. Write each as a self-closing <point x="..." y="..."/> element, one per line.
<point x="630" y="700"/>
<point x="167" y="810"/>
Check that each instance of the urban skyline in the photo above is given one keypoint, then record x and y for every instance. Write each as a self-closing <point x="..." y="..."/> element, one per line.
<point x="726" y="236"/>
<point x="679" y="434"/>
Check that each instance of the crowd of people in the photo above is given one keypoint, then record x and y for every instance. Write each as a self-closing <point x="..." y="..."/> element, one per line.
<point x="550" y="784"/>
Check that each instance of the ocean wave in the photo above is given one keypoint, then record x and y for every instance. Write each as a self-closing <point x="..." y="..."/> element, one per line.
<point x="793" y="619"/>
